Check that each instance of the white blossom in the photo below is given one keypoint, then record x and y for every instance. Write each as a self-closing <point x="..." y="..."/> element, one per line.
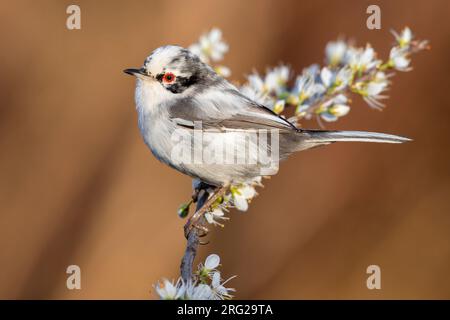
<point x="223" y="71"/>
<point x="218" y="287"/>
<point x="335" y="52"/>
<point x="305" y="87"/>
<point x="256" y="95"/>
<point x="206" y="284"/>
<point x="257" y="83"/>
<point x="241" y="195"/>
<point x="167" y="290"/>
<point x="327" y="77"/>
<point x="361" y="60"/>
<point x="209" y="267"/>
<point x="334" y="108"/>
<point x="343" y="78"/>
<point x="378" y="84"/>
<point x="278" y="107"/>
<point x="210" y="46"/>
<point x="404" y="38"/>
<point x="374" y="90"/>
<point x="213" y="217"/>
<point x="398" y="58"/>
<point x="336" y="80"/>
<point x="302" y="111"/>
<point x="212" y="261"/>
<point x="200" y="291"/>
<point x="276" y="79"/>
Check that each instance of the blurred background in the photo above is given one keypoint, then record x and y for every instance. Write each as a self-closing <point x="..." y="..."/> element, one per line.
<point x="78" y="185"/>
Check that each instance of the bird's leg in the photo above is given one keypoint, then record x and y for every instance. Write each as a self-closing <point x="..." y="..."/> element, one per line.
<point x="195" y="194"/>
<point x="198" y="186"/>
<point x="193" y="221"/>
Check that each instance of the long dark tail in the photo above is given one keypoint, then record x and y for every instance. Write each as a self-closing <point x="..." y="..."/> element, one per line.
<point x="312" y="138"/>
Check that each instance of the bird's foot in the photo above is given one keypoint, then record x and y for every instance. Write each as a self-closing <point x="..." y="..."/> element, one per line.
<point x="194" y="222"/>
<point x="200" y="229"/>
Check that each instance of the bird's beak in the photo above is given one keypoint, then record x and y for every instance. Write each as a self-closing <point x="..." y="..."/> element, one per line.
<point x="140" y="73"/>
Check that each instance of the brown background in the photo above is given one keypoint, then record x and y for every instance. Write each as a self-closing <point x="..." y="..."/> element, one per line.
<point x="78" y="186"/>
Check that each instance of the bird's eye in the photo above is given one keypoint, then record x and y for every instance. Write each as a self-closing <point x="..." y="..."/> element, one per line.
<point x="169" y="78"/>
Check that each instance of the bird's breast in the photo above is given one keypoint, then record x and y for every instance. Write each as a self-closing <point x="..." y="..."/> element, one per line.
<point x="157" y="132"/>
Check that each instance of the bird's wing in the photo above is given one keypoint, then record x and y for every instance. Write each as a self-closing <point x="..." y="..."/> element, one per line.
<point x="225" y="110"/>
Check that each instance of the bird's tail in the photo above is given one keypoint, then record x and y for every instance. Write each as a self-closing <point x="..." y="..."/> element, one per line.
<point x="312" y="138"/>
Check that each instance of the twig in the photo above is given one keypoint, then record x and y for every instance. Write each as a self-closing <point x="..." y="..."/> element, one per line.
<point x="186" y="267"/>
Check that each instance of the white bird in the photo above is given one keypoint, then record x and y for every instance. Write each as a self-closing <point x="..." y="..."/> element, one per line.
<point x="179" y="95"/>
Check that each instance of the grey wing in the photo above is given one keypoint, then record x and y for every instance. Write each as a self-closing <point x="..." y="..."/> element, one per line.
<point x="229" y="110"/>
<point x="226" y="110"/>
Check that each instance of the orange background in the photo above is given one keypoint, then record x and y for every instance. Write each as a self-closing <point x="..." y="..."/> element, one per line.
<point x="78" y="186"/>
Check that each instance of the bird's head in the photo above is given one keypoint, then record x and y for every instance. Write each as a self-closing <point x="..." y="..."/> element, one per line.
<point x="174" y="69"/>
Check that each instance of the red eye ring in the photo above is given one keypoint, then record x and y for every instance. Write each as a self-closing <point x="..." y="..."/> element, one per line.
<point x="169" y="78"/>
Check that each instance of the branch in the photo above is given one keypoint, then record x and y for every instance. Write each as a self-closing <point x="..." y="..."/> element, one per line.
<point x="186" y="267"/>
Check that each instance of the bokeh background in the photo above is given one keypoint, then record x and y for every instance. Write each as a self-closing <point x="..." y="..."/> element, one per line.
<point x="78" y="186"/>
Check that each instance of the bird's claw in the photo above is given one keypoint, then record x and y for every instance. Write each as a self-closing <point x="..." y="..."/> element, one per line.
<point x="195" y="222"/>
<point x="202" y="231"/>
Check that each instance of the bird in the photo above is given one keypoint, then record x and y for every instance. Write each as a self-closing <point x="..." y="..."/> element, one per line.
<point x="178" y="94"/>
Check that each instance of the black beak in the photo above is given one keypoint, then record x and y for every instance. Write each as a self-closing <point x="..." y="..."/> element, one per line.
<point x="134" y="72"/>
